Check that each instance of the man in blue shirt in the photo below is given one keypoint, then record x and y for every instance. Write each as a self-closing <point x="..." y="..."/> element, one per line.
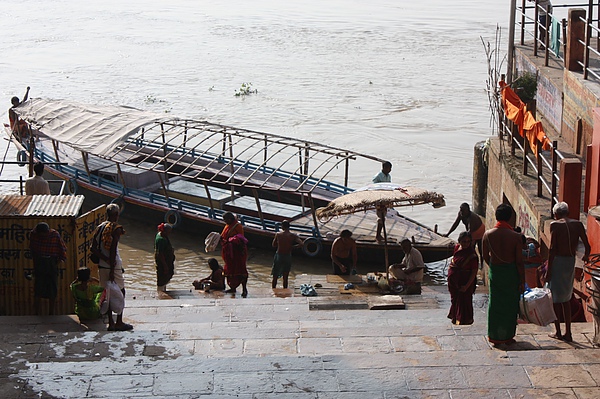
<point x="382" y="177"/>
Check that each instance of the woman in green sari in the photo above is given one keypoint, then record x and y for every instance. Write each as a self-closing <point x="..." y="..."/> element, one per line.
<point x="164" y="255"/>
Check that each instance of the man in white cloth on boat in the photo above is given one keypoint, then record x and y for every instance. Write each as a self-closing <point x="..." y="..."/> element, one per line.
<point x="565" y="234"/>
<point x="410" y="271"/>
<point x="37" y="185"/>
<point x="382" y="177"/>
<point x="473" y="224"/>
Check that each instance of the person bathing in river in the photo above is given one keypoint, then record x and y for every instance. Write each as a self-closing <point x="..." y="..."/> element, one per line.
<point x="216" y="279"/>
<point x="284" y="241"/>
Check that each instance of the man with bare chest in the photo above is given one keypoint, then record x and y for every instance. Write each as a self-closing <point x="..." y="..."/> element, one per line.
<point x="502" y="252"/>
<point x="565" y="234"/>
<point x="473" y="224"/>
<point x="284" y="241"/>
<point x="343" y="253"/>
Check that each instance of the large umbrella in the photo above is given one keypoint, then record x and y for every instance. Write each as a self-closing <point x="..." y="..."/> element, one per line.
<point x="379" y="196"/>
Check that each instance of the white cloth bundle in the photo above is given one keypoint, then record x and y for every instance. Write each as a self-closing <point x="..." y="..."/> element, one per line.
<point x="536" y="307"/>
<point x="112" y="299"/>
<point x="211" y="241"/>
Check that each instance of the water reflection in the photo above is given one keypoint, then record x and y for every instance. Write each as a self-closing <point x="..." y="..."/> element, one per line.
<point x="137" y="251"/>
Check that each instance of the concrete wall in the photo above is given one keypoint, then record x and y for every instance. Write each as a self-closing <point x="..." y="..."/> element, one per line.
<point x="593" y="189"/>
<point x="580" y="98"/>
<point x="506" y="183"/>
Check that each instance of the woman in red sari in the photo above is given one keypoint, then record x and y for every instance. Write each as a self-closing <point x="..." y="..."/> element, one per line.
<point x="234" y="251"/>
<point x="461" y="280"/>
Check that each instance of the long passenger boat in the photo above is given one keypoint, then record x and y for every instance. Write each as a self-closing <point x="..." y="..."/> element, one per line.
<point x="189" y="172"/>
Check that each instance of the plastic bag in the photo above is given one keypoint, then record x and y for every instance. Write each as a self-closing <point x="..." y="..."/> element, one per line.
<point x="112" y="299"/>
<point x="307" y="290"/>
<point x="536" y="306"/>
<point x="211" y="241"/>
<point x="104" y="300"/>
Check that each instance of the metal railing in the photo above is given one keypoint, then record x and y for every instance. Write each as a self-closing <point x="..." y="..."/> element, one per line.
<point x="536" y="22"/>
<point x="60" y="184"/>
<point x="543" y="164"/>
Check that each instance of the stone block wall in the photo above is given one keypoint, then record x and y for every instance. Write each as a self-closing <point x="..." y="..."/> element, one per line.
<point x="580" y="98"/>
<point x="506" y="183"/>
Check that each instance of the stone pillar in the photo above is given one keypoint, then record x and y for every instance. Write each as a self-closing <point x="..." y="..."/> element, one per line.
<point x="569" y="189"/>
<point x="480" y="175"/>
<point x="575" y="33"/>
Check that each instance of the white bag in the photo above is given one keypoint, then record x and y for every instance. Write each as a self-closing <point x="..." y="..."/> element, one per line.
<point x="536" y="307"/>
<point x="112" y="299"/>
<point x="211" y="241"/>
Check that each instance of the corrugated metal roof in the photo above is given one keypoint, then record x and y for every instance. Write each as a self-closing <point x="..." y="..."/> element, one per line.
<point x="12" y="205"/>
<point x="40" y="205"/>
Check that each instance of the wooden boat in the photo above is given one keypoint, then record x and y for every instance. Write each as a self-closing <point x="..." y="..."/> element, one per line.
<point x="189" y="172"/>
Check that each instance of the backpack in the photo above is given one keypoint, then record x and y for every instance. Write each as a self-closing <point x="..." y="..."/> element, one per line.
<point x="95" y="247"/>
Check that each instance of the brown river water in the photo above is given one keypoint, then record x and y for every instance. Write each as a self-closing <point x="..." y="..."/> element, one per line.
<point x="401" y="80"/>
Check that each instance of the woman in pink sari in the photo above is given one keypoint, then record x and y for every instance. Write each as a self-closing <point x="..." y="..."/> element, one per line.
<point x="234" y="251"/>
<point x="461" y="280"/>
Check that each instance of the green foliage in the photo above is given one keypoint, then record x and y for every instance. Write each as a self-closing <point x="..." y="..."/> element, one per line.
<point x="526" y="87"/>
<point x="245" y="90"/>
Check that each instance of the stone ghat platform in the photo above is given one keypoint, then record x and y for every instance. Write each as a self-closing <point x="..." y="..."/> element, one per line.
<point x="274" y="344"/>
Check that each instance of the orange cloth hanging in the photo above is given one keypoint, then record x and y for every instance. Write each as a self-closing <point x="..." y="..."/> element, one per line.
<point x="534" y="132"/>
<point x="516" y="111"/>
<point x="514" y="108"/>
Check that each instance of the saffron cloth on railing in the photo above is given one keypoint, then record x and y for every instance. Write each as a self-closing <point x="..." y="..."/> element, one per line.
<point x="529" y="127"/>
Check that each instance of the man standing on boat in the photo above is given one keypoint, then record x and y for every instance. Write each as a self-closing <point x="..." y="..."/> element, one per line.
<point x="110" y="267"/>
<point x="19" y="128"/>
<point x="343" y="254"/>
<point x="37" y="185"/>
<point x="473" y="224"/>
<point x="382" y="177"/>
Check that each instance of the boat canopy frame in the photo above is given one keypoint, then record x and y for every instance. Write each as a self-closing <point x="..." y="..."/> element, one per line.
<point x="195" y="149"/>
